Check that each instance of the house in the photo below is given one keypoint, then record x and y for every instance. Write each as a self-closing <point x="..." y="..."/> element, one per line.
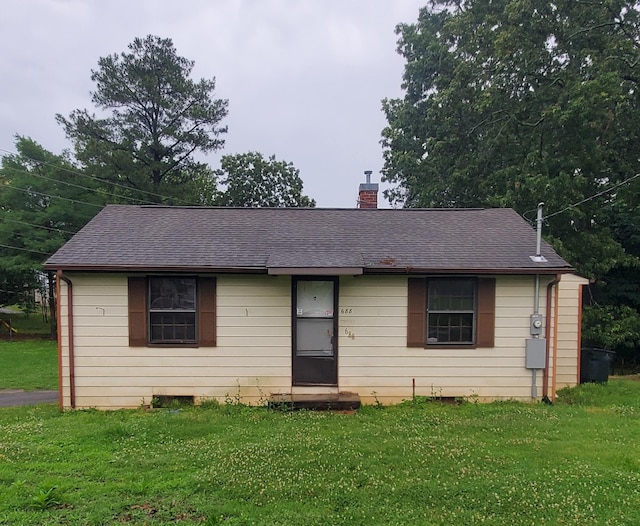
<point x="251" y="303"/>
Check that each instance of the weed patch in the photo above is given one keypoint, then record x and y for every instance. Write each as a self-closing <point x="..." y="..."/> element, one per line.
<point x="46" y="497"/>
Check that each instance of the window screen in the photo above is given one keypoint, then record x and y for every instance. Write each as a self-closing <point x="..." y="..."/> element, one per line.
<point x="451" y="304"/>
<point x="172" y="310"/>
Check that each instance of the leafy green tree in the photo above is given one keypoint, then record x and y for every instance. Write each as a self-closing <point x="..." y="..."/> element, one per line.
<point x="154" y="119"/>
<point x="44" y="200"/>
<point x="612" y="316"/>
<point x="513" y="102"/>
<point x="252" y="180"/>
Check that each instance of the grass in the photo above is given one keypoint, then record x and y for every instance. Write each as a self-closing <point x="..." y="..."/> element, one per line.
<point x="575" y="462"/>
<point x="32" y="324"/>
<point x="28" y="364"/>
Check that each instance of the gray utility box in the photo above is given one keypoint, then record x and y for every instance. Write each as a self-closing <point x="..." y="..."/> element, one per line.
<point x="535" y="353"/>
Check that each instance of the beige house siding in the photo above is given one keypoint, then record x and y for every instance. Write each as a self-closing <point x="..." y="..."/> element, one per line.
<point x="252" y="358"/>
<point x="568" y="331"/>
<point x="376" y="363"/>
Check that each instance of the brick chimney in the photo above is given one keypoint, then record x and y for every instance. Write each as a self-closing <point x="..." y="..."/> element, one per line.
<point x="368" y="193"/>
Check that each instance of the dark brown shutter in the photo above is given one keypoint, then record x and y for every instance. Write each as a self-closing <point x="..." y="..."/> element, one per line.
<point x="417" y="312"/>
<point x="137" y="312"/>
<point x="486" y="312"/>
<point x="207" y="312"/>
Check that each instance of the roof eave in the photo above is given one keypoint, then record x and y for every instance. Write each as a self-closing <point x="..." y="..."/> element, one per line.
<point x="154" y="268"/>
<point x="276" y="271"/>
<point x="492" y="271"/>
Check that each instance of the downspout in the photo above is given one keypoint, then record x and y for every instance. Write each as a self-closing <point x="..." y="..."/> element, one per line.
<point x="555" y="339"/>
<point x="72" y="379"/>
<point x="547" y="335"/>
<point x="59" y="338"/>
<point x="580" y="304"/>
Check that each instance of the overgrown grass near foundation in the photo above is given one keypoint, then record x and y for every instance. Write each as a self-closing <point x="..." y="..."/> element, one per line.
<point x="426" y="463"/>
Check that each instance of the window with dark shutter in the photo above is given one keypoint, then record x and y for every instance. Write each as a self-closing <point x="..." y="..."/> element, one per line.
<point x="453" y="311"/>
<point x="172" y="310"/>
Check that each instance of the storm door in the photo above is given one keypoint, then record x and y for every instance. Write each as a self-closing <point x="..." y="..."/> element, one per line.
<point x="315" y="350"/>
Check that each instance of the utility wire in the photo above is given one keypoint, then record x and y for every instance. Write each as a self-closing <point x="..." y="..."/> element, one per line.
<point x="25" y="250"/>
<point x="96" y="190"/>
<point x="525" y="215"/>
<point x="104" y="181"/>
<point x="53" y="229"/>
<point x="43" y="235"/>
<point x="33" y="192"/>
<point x="605" y="191"/>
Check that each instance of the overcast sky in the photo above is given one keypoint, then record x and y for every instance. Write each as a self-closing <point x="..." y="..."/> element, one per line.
<point x="304" y="78"/>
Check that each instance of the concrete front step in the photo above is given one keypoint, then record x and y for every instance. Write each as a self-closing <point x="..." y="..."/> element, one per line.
<point x="318" y="402"/>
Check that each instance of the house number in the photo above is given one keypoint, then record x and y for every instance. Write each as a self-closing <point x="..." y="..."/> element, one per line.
<point x="346" y="310"/>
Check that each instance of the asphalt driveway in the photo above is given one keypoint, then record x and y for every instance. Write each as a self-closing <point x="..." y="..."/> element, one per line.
<point x="13" y="397"/>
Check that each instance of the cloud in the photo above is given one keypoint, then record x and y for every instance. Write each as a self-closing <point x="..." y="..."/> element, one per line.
<point x="304" y="78"/>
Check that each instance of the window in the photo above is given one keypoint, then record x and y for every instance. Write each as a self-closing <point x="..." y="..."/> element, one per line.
<point x="451" y="311"/>
<point x="172" y="310"/>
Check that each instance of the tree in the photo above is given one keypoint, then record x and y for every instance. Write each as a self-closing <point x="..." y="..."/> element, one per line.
<point x="44" y="200"/>
<point x="612" y="315"/>
<point x="159" y="118"/>
<point x="514" y="102"/>
<point x="252" y="180"/>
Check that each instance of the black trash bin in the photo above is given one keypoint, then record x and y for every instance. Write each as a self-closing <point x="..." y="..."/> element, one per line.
<point x="595" y="364"/>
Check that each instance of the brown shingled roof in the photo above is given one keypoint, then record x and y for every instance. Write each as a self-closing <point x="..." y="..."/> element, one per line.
<point x="155" y="238"/>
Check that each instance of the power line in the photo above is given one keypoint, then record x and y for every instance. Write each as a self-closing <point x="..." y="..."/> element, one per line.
<point x="53" y="229"/>
<point x="598" y="194"/>
<point x="525" y="215"/>
<point x="75" y="201"/>
<point x="97" y="190"/>
<point x="25" y="250"/>
<point x="75" y="172"/>
<point x="104" y="181"/>
<point x="605" y="191"/>
<point x="27" y="235"/>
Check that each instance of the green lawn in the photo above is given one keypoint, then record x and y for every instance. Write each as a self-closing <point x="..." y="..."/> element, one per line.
<point x="576" y="462"/>
<point x="25" y="324"/>
<point x="28" y="364"/>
